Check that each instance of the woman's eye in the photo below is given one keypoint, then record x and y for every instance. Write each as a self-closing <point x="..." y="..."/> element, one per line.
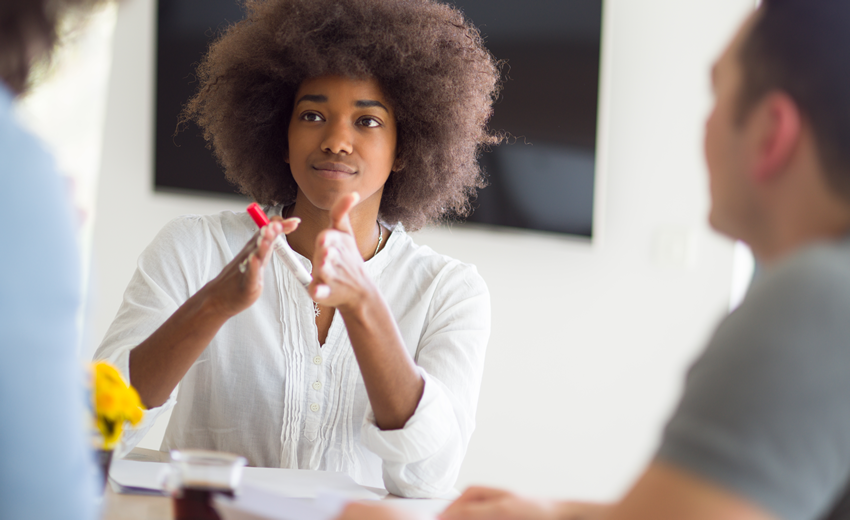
<point x="370" y="122"/>
<point x="311" y="116"/>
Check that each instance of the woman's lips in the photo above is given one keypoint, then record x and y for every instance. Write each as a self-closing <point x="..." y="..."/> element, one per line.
<point x="334" y="170"/>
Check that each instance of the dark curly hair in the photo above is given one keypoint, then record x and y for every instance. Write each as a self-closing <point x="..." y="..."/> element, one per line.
<point x="429" y="61"/>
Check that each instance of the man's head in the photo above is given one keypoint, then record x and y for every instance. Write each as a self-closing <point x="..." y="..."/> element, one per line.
<point x="782" y="84"/>
<point x="28" y="32"/>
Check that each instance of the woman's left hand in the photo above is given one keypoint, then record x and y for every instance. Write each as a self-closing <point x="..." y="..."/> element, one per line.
<point x="339" y="279"/>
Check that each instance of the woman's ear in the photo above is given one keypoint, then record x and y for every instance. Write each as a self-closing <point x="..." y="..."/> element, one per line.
<point x="398" y="164"/>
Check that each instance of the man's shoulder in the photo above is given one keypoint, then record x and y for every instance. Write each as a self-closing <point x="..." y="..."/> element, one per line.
<point x="809" y="287"/>
<point x="26" y="167"/>
<point x="789" y="334"/>
<point x="822" y="268"/>
<point x="764" y="411"/>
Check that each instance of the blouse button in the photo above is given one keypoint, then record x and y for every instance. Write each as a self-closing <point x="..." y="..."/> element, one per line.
<point x="314" y="407"/>
<point x="317" y="386"/>
<point x="317" y="360"/>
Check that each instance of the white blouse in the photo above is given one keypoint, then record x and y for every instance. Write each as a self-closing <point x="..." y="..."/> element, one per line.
<point x="264" y="388"/>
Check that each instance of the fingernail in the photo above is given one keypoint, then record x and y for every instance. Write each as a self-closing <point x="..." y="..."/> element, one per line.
<point x="323" y="291"/>
<point x="260" y="238"/>
<point x="356" y="197"/>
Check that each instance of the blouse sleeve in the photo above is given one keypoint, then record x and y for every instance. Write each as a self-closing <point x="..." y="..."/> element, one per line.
<point x="423" y="458"/>
<point x="168" y="272"/>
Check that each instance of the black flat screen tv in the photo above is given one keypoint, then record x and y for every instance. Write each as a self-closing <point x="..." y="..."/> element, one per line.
<point x="543" y="176"/>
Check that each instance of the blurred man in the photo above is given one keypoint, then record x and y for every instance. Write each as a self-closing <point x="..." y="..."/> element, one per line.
<point x="763" y="428"/>
<point x="46" y="466"/>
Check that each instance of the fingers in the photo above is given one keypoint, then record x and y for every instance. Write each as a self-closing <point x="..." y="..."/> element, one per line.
<point x="584" y="510"/>
<point x="264" y="242"/>
<point x="477" y="493"/>
<point x="470" y="511"/>
<point x="240" y="283"/>
<point x="338" y="279"/>
<point x="475" y="502"/>
<point x="256" y="253"/>
<point x="289" y="225"/>
<point x="361" y="511"/>
<point x="320" y="292"/>
<point x="327" y="264"/>
<point x="340" y="210"/>
<point x="324" y="273"/>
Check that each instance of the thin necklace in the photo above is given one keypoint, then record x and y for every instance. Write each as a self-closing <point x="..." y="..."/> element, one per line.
<point x="288" y="213"/>
<point x="380" y="238"/>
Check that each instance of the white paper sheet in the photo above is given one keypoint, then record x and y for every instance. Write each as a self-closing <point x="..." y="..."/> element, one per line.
<point x="140" y="477"/>
<point x="303" y="483"/>
<point x="149" y="477"/>
<point x="254" y="503"/>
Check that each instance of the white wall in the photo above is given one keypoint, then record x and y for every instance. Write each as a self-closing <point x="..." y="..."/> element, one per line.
<point x="589" y="343"/>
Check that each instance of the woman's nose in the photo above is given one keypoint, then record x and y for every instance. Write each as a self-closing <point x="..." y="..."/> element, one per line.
<point x="338" y="139"/>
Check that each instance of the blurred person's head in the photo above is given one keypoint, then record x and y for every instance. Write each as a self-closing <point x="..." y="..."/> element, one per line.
<point x="778" y="140"/>
<point x="28" y="33"/>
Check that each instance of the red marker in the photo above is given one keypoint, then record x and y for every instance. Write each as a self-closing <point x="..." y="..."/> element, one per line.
<point x="281" y="248"/>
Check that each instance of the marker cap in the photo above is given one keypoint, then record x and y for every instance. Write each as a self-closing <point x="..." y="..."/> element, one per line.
<point x="258" y="215"/>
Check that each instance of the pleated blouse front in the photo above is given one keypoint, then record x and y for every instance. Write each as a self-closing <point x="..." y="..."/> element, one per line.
<point x="264" y="388"/>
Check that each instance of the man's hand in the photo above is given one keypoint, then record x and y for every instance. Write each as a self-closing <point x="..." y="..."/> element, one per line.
<point x="376" y="511"/>
<point x="496" y="504"/>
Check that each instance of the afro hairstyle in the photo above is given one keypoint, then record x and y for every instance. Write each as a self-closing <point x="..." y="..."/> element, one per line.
<point x="429" y="61"/>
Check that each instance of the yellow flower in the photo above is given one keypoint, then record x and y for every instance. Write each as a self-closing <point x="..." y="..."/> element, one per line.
<point x="115" y="402"/>
<point x="132" y="405"/>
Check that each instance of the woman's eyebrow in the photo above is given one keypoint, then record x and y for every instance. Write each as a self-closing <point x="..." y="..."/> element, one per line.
<point x="316" y="98"/>
<point x="363" y="103"/>
<point x="369" y="103"/>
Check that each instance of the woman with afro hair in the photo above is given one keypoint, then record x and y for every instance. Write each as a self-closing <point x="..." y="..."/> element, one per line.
<point x="352" y="122"/>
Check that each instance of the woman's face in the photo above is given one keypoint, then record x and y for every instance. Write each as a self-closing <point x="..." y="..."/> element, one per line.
<point x="342" y="138"/>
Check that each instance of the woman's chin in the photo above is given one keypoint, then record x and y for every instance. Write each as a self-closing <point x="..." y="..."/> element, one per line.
<point x="324" y="198"/>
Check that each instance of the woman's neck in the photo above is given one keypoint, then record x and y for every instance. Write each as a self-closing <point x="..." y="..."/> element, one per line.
<point x="314" y="220"/>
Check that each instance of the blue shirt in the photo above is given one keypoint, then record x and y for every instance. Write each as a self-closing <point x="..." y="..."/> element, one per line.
<point x="46" y="464"/>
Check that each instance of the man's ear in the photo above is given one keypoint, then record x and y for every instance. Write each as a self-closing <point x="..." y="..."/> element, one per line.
<point x="778" y="124"/>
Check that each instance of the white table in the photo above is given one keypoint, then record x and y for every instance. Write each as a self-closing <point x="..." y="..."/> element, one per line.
<point x="138" y="507"/>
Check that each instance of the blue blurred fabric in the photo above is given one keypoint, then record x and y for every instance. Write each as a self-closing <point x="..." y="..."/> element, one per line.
<point x="46" y="464"/>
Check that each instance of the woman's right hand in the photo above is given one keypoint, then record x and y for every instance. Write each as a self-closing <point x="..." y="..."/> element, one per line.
<point x="240" y="283"/>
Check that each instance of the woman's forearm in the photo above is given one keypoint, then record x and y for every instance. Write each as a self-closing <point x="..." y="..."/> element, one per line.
<point x="392" y="382"/>
<point x="161" y="361"/>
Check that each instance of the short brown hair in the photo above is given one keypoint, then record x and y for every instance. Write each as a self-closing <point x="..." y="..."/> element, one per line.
<point x="28" y="32"/>
<point x="802" y="47"/>
<point x="429" y="61"/>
